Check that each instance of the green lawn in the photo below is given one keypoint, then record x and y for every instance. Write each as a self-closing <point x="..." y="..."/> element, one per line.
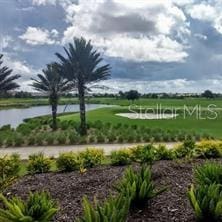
<point x="190" y="123"/>
<point x="16" y="102"/>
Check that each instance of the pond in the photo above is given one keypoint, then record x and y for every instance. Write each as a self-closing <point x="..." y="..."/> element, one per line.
<point x="15" y="116"/>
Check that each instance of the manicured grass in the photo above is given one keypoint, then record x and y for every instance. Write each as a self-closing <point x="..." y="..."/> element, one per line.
<point x="191" y="102"/>
<point x="190" y="123"/>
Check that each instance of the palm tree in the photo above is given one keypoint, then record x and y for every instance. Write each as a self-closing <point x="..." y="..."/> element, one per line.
<point x="53" y="84"/>
<point x="81" y="66"/>
<point x="6" y="78"/>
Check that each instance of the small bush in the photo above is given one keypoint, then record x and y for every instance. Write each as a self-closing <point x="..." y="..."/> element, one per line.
<point x="68" y="162"/>
<point x="138" y="186"/>
<point x="144" y="154"/>
<point x="91" y="157"/>
<point x="120" y="157"/>
<point x="187" y="149"/>
<point x="208" y="173"/>
<point x="206" y="200"/>
<point x="38" y="163"/>
<point x="162" y="153"/>
<point x="114" y="209"/>
<point x="39" y="207"/>
<point x="9" y="170"/>
<point x="209" y="149"/>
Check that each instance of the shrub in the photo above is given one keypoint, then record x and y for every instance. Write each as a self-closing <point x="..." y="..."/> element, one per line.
<point x="61" y="137"/>
<point x="187" y="149"/>
<point x="120" y="157"/>
<point x="9" y="170"/>
<point x="39" y="207"/>
<point x="38" y="163"/>
<point x="100" y="138"/>
<point x="138" y="186"/>
<point x="206" y="200"/>
<point x="144" y="154"/>
<point x="68" y="162"/>
<point x="114" y="209"/>
<point x="208" y="173"/>
<point x="92" y="157"/>
<point x="209" y="149"/>
<point x="162" y="153"/>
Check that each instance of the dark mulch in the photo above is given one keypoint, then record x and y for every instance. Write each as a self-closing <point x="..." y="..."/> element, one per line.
<point x="69" y="188"/>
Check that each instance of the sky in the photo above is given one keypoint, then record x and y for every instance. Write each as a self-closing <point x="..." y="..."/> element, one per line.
<point x="151" y="45"/>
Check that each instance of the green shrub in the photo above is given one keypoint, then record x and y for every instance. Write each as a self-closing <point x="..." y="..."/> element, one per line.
<point x="208" y="173"/>
<point x="209" y="149"/>
<point x="74" y="137"/>
<point x="144" y="153"/>
<point x="187" y="149"/>
<point x="68" y="162"/>
<point x="38" y="163"/>
<point x="100" y="138"/>
<point x="120" y="157"/>
<point x="61" y="138"/>
<point x="138" y="186"/>
<point x="162" y="153"/>
<point x="91" y="157"/>
<point x="39" y="207"/>
<point x="206" y="200"/>
<point x="115" y="209"/>
<point x="9" y="170"/>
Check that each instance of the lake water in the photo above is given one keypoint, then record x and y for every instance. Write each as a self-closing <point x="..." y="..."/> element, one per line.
<point x="15" y="116"/>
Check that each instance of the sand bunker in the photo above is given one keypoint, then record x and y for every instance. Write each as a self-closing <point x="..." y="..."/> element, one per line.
<point x="147" y="115"/>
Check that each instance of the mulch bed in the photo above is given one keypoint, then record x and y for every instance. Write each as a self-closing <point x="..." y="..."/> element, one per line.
<point x="69" y="188"/>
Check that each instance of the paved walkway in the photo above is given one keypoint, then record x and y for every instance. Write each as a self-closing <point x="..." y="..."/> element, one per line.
<point x="54" y="151"/>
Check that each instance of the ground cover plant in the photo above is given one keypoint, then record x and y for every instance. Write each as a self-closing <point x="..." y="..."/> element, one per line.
<point x="138" y="186"/>
<point x="38" y="207"/>
<point x="9" y="170"/>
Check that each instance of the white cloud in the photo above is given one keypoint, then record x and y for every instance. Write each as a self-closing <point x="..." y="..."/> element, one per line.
<point x="168" y="86"/>
<point x="43" y="2"/>
<point x="5" y="42"/>
<point x="134" y="30"/>
<point x="22" y="68"/>
<point x="202" y="12"/>
<point x="200" y="36"/>
<point x="38" y="36"/>
<point x="210" y="11"/>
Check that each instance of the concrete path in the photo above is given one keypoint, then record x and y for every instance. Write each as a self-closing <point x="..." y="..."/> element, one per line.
<point x="54" y="151"/>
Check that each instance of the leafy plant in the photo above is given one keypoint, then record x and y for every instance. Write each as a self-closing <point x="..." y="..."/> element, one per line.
<point x="92" y="157"/>
<point x="68" y="162"/>
<point x="39" y="207"/>
<point x="120" y="157"/>
<point x="144" y="154"/>
<point x="206" y="200"/>
<point x="38" y="163"/>
<point x="114" y="209"/>
<point x="187" y="149"/>
<point x="209" y="149"/>
<point x="138" y="186"/>
<point x="163" y="153"/>
<point x="208" y="173"/>
<point x="9" y="170"/>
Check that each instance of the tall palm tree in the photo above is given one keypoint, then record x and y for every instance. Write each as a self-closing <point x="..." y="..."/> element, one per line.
<point x="81" y="66"/>
<point x="52" y="84"/>
<point x="6" y="78"/>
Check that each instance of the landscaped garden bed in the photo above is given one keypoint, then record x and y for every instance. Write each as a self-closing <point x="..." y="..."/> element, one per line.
<point x="144" y="183"/>
<point x="69" y="188"/>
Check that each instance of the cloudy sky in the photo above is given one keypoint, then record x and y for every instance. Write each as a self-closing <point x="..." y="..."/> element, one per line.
<point x="152" y="45"/>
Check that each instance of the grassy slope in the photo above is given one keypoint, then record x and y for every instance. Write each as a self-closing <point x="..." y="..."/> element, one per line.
<point x="212" y="127"/>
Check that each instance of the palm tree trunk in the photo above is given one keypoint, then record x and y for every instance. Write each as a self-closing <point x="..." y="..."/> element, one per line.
<point x="82" y="110"/>
<point x="54" y="116"/>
